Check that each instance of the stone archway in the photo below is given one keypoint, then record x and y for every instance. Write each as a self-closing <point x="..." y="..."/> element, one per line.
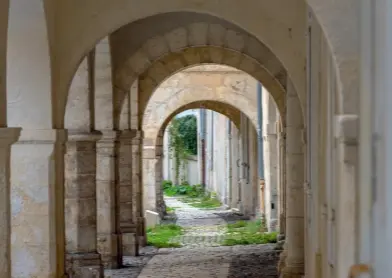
<point x="295" y="175"/>
<point x="153" y="150"/>
<point x="215" y="87"/>
<point x="169" y="53"/>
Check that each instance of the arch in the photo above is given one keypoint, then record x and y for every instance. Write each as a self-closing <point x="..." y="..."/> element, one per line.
<point x="230" y="110"/>
<point x="223" y="108"/>
<point x="344" y="44"/>
<point x="153" y="150"/>
<point x="283" y="33"/>
<point x="164" y="55"/>
<point x="225" y="100"/>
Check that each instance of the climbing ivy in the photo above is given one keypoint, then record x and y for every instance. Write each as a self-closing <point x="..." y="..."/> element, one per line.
<point x="188" y="131"/>
<point x="182" y="142"/>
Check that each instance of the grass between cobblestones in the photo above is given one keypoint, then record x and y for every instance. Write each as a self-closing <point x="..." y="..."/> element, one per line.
<point x="170" y="209"/>
<point x="247" y="232"/>
<point x="160" y="236"/>
<point x="206" y="202"/>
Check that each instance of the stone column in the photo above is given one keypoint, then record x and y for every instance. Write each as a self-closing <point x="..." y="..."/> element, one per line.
<point x="128" y="224"/>
<point x="37" y="164"/>
<point x="270" y="161"/>
<point x="246" y="185"/>
<point x="235" y="162"/>
<point x="137" y="209"/>
<point x="161" y="207"/>
<point x="281" y="146"/>
<point x="37" y="159"/>
<point x="83" y="260"/>
<point x="7" y="137"/>
<point x="150" y="201"/>
<point x="254" y="181"/>
<point x="294" y="264"/>
<point x="109" y="237"/>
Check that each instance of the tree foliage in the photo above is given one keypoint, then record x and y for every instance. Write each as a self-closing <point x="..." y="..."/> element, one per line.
<point x="187" y="129"/>
<point x="182" y="141"/>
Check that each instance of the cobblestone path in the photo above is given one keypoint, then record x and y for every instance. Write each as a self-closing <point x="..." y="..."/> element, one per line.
<point x="201" y="256"/>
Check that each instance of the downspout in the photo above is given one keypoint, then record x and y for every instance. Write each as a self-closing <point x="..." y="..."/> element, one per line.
<point x="260" y="146"/>
<point x="229" y="163"/>
<point x="203" y="145"/>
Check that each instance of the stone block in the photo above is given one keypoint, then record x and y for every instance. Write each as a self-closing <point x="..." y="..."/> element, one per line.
<point x="130" y="244"/>
<point x="85" y="265"/>
<point x="152" y="218"/>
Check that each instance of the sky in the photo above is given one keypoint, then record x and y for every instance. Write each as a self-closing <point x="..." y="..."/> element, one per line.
<point x="188" y="112"/>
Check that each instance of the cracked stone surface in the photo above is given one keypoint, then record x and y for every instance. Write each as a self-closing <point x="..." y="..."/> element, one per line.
<point x="201" y="256"/>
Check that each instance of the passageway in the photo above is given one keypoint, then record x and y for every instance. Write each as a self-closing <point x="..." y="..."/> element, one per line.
<point x="201" y="253"/>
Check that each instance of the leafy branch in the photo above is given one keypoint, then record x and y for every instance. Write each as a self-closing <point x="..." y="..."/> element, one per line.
<point x="182" y="142"/>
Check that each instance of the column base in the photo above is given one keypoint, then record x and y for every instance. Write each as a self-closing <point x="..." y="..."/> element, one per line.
<point x="282" y="261"/>
<point x="108" y="247"/>
<point x="130" y="244"/>
<point x="279" y="245"/>
<point x="281" y="237"/>
<point x="141" y="232"/>
<point x="293" y="271"/>
<point x="84" y="265"/>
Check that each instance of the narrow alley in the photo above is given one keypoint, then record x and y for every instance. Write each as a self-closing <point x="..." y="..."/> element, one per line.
<point x="201" y="254"/>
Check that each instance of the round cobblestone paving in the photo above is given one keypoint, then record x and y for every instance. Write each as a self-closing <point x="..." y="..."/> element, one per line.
<point x="201" y="255"/>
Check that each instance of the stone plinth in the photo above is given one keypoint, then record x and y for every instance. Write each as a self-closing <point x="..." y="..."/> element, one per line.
<point x="152" y="218"/>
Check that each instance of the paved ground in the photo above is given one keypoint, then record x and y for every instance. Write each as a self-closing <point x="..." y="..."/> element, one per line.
<point x="201" y="256"/>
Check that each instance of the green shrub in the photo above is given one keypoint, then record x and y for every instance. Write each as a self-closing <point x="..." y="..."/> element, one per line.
<point x="184" y="189"/>
<point x="167" y="184"/>
<point x="248" y="232"/>
<point x="160" y="236"/>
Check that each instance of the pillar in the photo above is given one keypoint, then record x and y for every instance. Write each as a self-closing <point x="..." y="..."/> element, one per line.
<point x="149" y="180"/>
<point x="137" y="196"/>
<point x="108" y="230"/>
<point x="245" y="203"/>
<point x="270" y="161"/>
<point x="128" y="224"/>
<point x="161" y="207"/>
<point x="294" y="264"/>
<point x="281" y="146"/>
<point x="235" y="162"/>
<point x="83" y="260"/>
<point x="7" y="137"/>
<point x="229" y="164"/>
<point x="37" y="159"/>
<point x="254" y="181"/>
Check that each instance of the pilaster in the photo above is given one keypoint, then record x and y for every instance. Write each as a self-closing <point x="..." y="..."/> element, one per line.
<point x="295" y="178"/>
<point x="137" y="196"/>
<point x="81" y="205"/>
<point x="128" y="222"/>
<point x="37" y="202"/>
<point x="108" y="230"/>
<point x="7" y="137"/>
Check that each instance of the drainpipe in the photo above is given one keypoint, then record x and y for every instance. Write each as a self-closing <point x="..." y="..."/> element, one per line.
<point x="260" y="145"/>
<point x="229" y="163"/>
<point x="203" y="145"/>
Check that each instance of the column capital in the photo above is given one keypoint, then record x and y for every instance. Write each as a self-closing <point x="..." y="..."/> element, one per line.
<point x="149" y="152"/>
<point x="84" y="136"/>
<point x="42" y="136"/>
<point x="130" y="134"/>
<point x="346" y="129"/>
<point x="10" y="135"/>
<point x="109" y="135"/>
